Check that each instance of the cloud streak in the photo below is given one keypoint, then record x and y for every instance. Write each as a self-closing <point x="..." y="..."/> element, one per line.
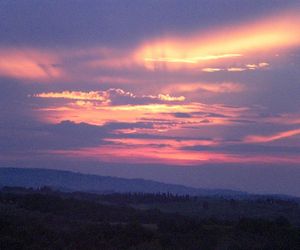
<point x="216" y="88"/>
<point x="274" y="137"/>
<point x="107" y="96"/>
<point x="261" y="65"/>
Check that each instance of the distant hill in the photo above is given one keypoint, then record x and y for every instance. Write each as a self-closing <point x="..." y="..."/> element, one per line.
<point x="71" y="181"/>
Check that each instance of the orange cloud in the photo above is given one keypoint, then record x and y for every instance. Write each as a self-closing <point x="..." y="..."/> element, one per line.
<point x="104" y="96"/>
<point x="77" y="95"/>
<point x="226" y="87"/>
<point x="263" y="64"/>
<point x="168" y="98"/>
<point x="211" y="70"/>
<point x="197" y="52"/>
<point x="192" y="60"/>
<point x="206" y="49"/>
<point x="163" y="116"/>
<point x="168" y="142"/>
<point x="99" y="107"/>
<point x="257" y="66"/>
<point x="270" y="138"/>
<point x="238" y="69"/>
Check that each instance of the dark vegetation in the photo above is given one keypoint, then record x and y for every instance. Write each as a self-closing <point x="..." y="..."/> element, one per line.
<point x="47" y="219"/>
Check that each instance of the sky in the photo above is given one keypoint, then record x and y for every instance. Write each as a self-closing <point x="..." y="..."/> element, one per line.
<point x="197" y="92"/>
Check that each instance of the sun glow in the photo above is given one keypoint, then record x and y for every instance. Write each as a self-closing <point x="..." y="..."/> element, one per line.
<point x="230" y="42"/>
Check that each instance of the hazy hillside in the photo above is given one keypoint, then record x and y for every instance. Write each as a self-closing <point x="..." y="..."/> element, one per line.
<point x="71" y="181"/>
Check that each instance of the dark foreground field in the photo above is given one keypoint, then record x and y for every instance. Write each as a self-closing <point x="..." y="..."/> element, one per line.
<point x="46" y="219"/>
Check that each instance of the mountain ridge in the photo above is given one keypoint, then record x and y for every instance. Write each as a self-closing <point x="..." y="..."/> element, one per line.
<point x="70" y="181"/>
<point x="74" y="181"/>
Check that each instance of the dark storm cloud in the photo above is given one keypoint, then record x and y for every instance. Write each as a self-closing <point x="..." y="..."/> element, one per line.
<point x="181" y="115"/>
<point x="37" y="136"/>
<point x="65" y="135"/>
<point x="31" y="136"/>
<point x="14" y="106"/>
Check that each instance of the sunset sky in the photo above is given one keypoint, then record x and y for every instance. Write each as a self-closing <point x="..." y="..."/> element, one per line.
<point x="203" y="93"/>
